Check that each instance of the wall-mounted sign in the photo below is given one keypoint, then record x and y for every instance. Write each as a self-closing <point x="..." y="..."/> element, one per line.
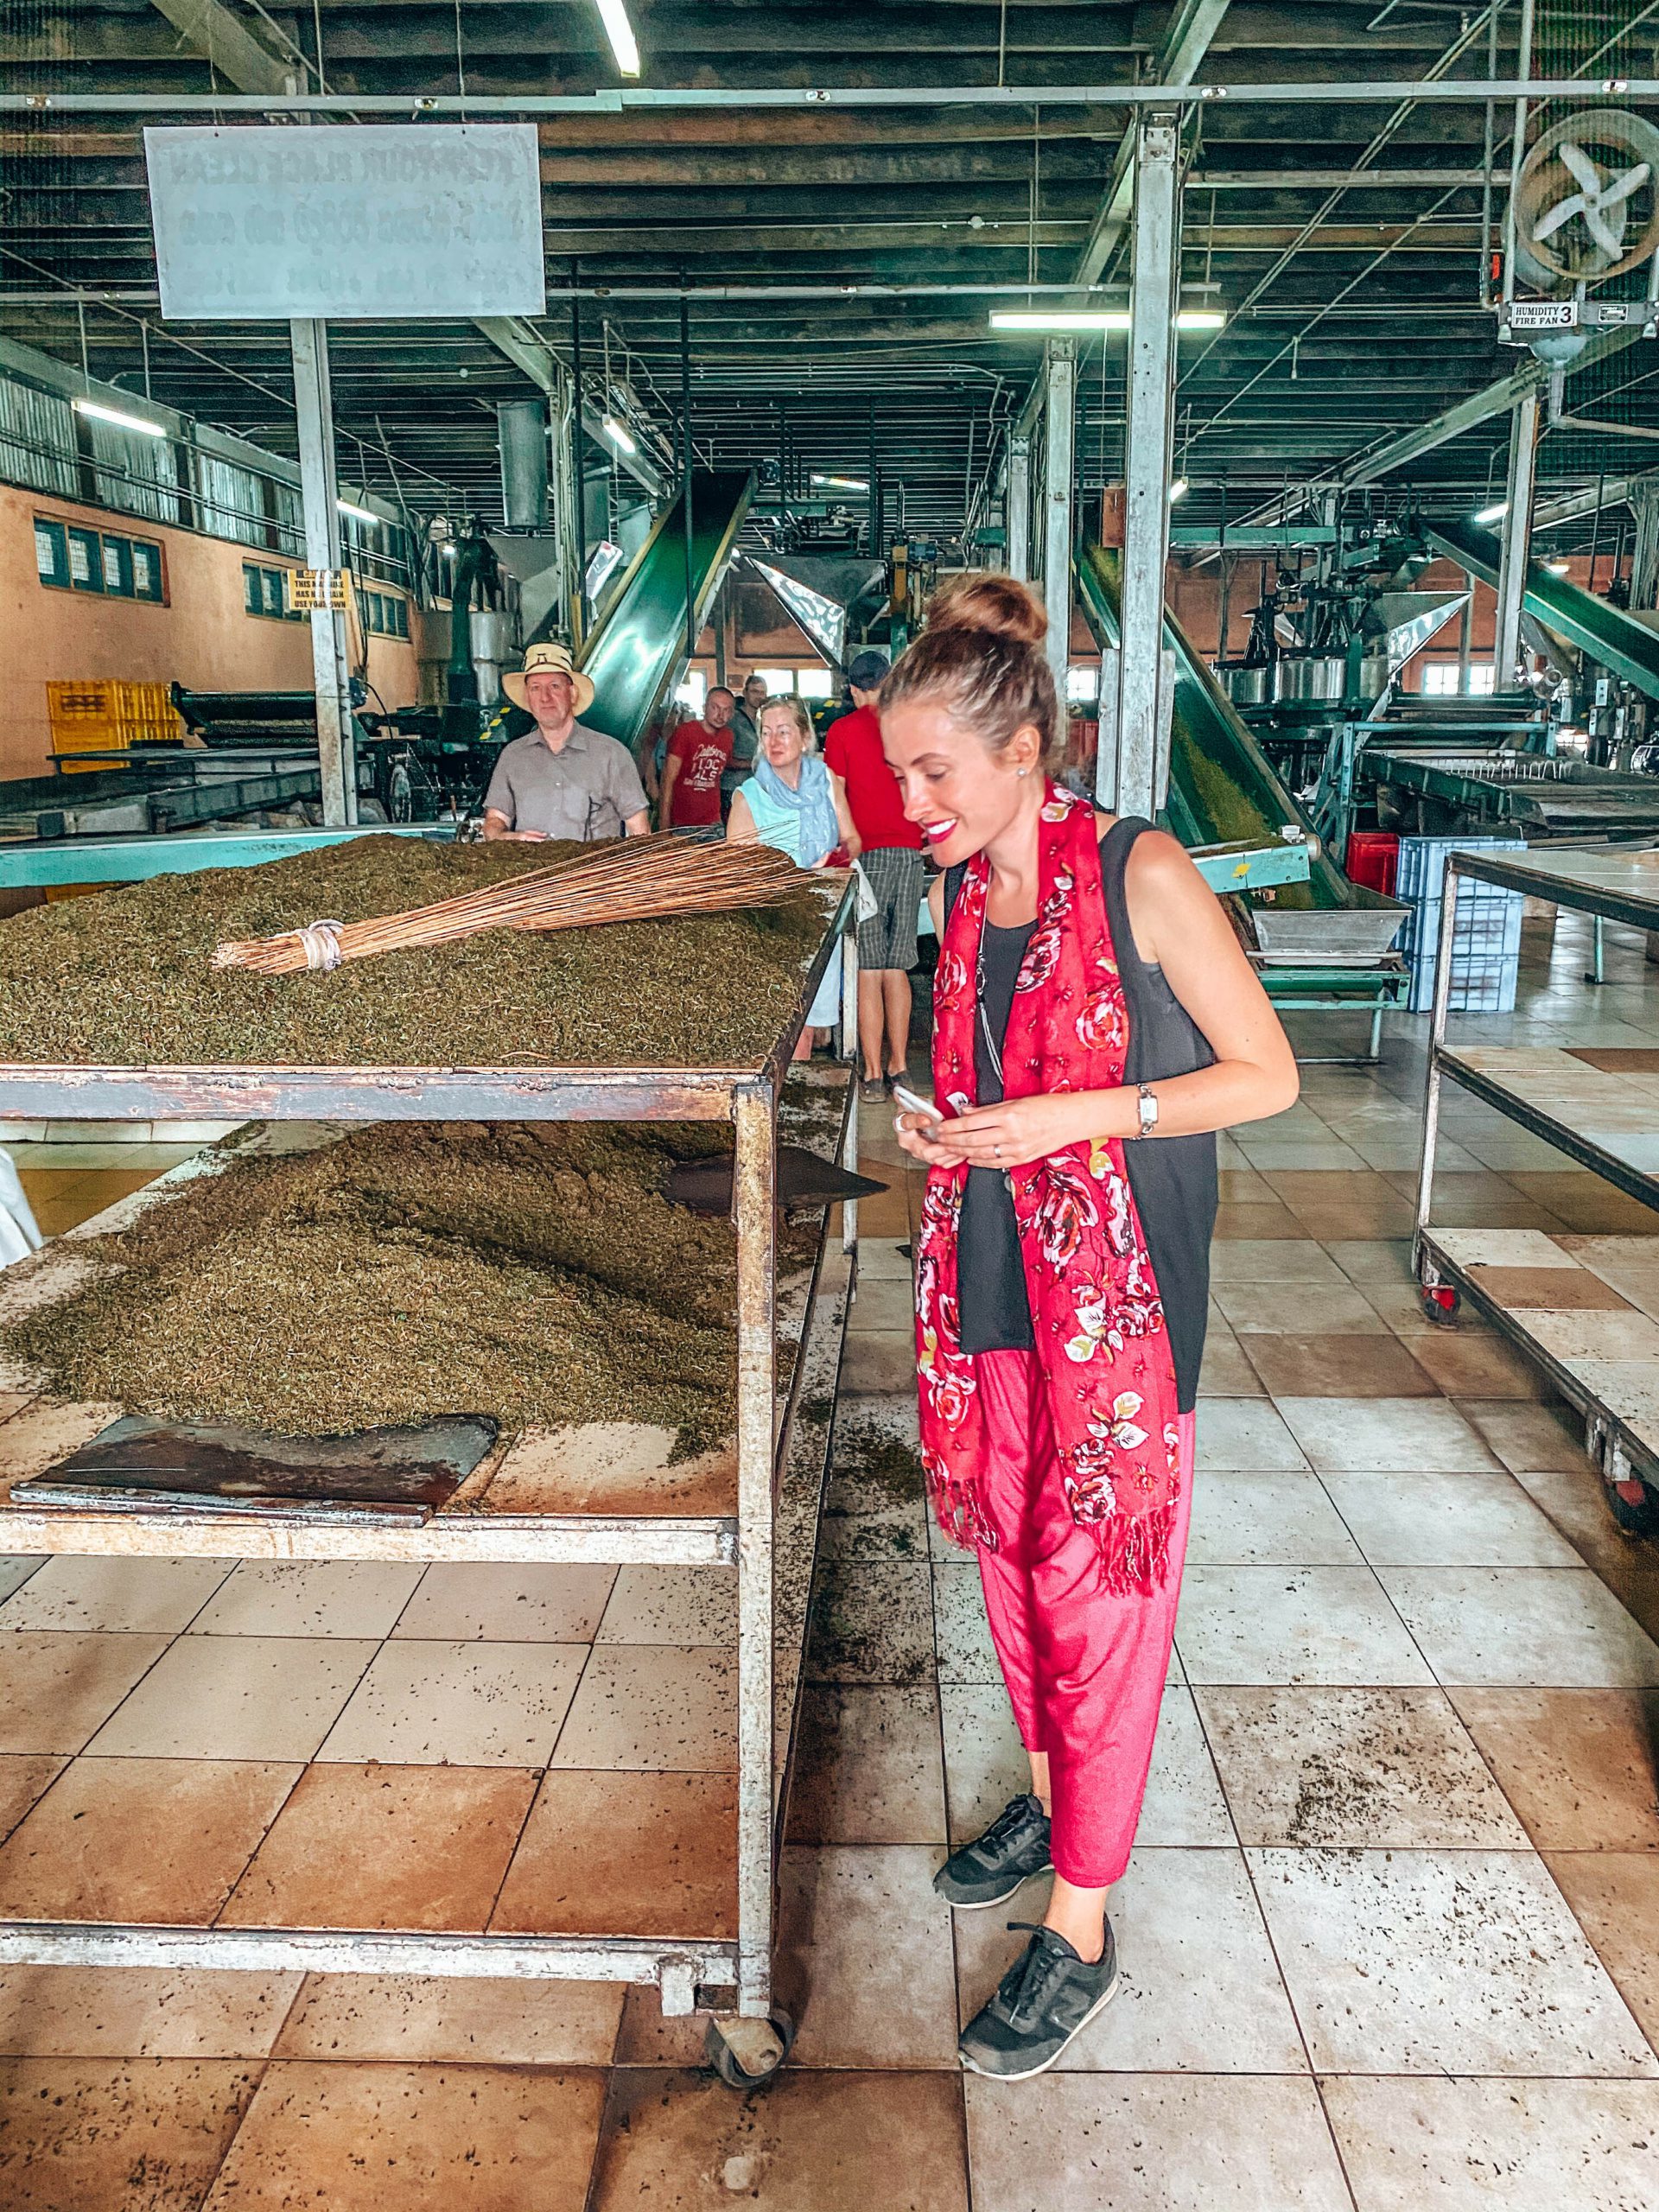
<point x="314" y="590"/>
<point x="387" y="221"/>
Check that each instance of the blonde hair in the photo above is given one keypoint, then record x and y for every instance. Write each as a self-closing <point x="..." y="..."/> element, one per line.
<point x="980" y="656"/>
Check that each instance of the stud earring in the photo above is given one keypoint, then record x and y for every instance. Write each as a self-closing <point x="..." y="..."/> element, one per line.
<point x="1019" y="771"/>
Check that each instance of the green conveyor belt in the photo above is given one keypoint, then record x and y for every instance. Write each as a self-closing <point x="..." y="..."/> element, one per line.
<point x="1221" y="786"/>
<point x="632" y="654"/>
<point x="1617" y="641"/>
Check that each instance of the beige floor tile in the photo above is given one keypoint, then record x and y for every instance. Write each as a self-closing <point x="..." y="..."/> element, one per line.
<point x="74" y="2133"/>
<point x="1399" y="1306"/>
<point x="1615" y="1897"/>
<point x="1299" y="1261"/>
<point x="243" y="1697"/>
<point x="459" y="1705"/>
<point x="966" y="1651"/>
<point x="672" y="1604"/>
<point x="140" y="2012"/>
<point x="814" y="2142"/>
<point x="24" y="1778"/>
<point x="883" y="1303"/>
<point x="423" y="2020"/>
<point x="895" y="1534"/>
<point x="881" y="1258"/>
<point x="60" y="1688"/>
<point x="140" y="1839"/>
<point x="1428" y="1962"/>
<point x="1266" y="1520"/>
<point x="868" y="1767"/>
<point x="871" y="1623"/>
<point x="878" y="1364"/>
<point x="1152" y="2143"/>
<point x="14" y="1568"/>
<point x="1371" y="1367"/>
<point x="865" y="1956"/>
<point x="625" y="1854"/>
<point x="1245" y="1435"/>
<point x="1579" y="1766"/>
<point x="1267" y="1626"/>
<point x="1382" y="1767"/>
<point x="646" y="2039"/>
<point x="985" y="1763"/>
<point x="1322" y="1308"/>
<point x="349" y="1598"/>
<point x="653" y="1707"/>
<point x="142" y="1597"/>
<point x="505" y="1604"/>
<point x="1256" y="1221"/>
<point x="1198" y="1990"/>
<point x="1183" y="1804"/>
<point x="1556" y="1628"/>
<point x="1470" y="1365"/>
<point x="1226" y="1373"/>
<point x="1360" y="1435"/>
<point x="1436" y="1520"/>
<point x="403" y="2138"/>
<point x="1465" y="2147"/>
<point x="1369" y="1260"/>
<point x="1542" y="1439"/>
<point x="386" y="1846"/>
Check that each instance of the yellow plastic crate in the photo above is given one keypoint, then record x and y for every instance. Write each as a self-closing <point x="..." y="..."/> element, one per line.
<point x="105" y="714"/>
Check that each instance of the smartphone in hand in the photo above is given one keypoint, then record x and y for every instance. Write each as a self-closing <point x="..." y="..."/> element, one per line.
<point x="913" y="1102"/>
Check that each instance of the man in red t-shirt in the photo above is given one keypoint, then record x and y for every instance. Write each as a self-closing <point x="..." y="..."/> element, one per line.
<point x="892" y="861"/>
<point x="699" y="753"/>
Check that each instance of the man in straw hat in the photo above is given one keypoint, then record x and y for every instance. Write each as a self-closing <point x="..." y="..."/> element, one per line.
<point x="559" y="780"/>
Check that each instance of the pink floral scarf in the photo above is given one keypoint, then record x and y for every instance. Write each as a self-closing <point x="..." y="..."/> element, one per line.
<point x="1097" y="1317"/>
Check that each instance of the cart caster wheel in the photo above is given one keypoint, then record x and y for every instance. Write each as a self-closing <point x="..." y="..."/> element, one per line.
<point x="1441" y="1303"/>
<point x="747" y="2054"/>
<point x="1634" y="1507"/>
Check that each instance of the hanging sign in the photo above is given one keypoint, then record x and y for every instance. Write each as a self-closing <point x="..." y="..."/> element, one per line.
<point x="316" y="591"/>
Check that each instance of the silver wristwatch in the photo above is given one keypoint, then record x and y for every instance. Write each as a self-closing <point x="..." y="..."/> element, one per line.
<point x="1146" y="1106"/>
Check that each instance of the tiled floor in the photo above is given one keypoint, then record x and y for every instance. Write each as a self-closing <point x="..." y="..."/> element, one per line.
<point x="1388" y="1935"/>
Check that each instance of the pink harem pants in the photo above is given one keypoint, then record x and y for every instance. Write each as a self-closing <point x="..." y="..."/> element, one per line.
<point x="1084" y="1666"/>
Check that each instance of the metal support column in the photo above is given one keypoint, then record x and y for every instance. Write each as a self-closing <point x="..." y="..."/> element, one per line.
<point x="1517" y="540"/>
<point x="1017" y="507"/>
<point x="314" y="406"/>
<point x="1644" y="559"/>
<point x="1130" y="782"/>
<point x="1059" y="443"/>
<point x="755" y="1207"/>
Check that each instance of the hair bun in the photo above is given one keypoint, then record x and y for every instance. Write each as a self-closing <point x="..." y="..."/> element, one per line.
<point x="997" y="606"/>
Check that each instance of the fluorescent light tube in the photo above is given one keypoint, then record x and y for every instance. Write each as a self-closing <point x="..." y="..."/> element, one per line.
<point x="1178" y="490"/>
<point x="1494" y="514"/>
<point x="1556" y="567"/>
<point x="121" y="422"/>
<point x="618" y="437"/>
<point x="841" y="483"/>
<point x="1095" y="319"/>
<point x="619" y="31"/>
<point x="357" y="514"/>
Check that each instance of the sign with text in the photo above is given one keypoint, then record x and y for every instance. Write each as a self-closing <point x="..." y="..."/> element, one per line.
<point x="381" y="221"/>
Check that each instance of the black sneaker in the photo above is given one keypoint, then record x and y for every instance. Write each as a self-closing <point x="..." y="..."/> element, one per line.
<point x="990" y="1869"/>
<point x="1045" y="1998"/>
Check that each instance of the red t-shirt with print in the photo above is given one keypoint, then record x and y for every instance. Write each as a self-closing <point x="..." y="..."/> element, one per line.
<point x="703" y="753"/>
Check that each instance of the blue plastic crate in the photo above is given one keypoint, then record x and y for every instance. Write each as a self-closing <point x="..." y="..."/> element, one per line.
<point x="1486" y="942"/>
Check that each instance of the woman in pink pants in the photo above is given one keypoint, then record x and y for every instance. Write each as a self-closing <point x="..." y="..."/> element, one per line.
<point x="1095" y="1022"/>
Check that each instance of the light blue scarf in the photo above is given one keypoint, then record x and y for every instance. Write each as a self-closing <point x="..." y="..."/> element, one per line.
<point x="814" y="801"/>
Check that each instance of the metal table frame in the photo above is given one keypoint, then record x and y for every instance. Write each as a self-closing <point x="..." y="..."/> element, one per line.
<point x="767" y="1484"/>
<point x="1372" y="988"/>
<point x="1624" y="1456"/>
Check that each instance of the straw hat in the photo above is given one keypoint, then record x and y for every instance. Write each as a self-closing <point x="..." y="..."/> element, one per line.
<point x="549" y="660"/>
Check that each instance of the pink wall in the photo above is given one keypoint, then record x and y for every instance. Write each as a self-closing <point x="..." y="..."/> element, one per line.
<point x="203" y="638"/>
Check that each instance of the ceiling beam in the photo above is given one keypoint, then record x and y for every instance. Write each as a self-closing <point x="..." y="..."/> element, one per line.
<point x="1194" y="23"/>
<point x="225" y="39"/>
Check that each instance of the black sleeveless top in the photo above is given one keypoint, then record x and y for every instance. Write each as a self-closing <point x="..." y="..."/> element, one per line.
<point x="1174" y="1179"/>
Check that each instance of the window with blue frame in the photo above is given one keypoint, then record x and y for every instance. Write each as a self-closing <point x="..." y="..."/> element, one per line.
<point x="68" y="557"/>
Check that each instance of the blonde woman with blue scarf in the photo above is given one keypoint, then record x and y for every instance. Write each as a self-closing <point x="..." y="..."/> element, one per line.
<point x="793" y="801"/>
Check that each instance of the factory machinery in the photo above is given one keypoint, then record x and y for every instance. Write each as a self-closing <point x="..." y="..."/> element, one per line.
<point x="1322" y="689"/>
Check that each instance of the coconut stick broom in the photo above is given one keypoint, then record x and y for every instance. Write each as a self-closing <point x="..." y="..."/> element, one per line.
<point x="640" y="879"/>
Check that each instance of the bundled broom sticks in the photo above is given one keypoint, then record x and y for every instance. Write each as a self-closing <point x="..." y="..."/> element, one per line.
<point x="641" y="879"/>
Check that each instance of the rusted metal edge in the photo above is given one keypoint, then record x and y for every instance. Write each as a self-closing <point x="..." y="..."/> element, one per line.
<point x="268" y="1950"/>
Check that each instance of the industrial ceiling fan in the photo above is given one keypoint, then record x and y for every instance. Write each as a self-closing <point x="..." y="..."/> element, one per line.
<point x="1587" y="200"/>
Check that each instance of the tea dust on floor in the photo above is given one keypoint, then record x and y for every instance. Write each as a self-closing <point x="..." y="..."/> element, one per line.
<point x="126" y="978"/>
<point x="532" y="1271"/>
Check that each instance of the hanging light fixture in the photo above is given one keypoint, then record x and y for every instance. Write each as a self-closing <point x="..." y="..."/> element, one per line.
<point x="101" y="414"/>
<point x="1057" y="320"/>
<point x="623" y="46"/>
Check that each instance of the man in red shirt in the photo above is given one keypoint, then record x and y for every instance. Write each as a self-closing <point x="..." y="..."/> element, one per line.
<point x="699" y="753"/>
<point x="892" y="861"/>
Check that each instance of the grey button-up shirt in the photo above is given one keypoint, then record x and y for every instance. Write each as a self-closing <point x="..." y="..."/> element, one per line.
<point x="587" y="789"/>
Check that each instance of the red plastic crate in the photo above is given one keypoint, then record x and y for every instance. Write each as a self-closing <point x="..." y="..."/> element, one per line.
<point x="1374" y="860"/>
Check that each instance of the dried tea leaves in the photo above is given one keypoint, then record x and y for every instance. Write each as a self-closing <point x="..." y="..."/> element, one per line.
<point x="126" y="979"/>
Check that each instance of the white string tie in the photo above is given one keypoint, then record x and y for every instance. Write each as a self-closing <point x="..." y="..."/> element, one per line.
<point x="322" y="943"/>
